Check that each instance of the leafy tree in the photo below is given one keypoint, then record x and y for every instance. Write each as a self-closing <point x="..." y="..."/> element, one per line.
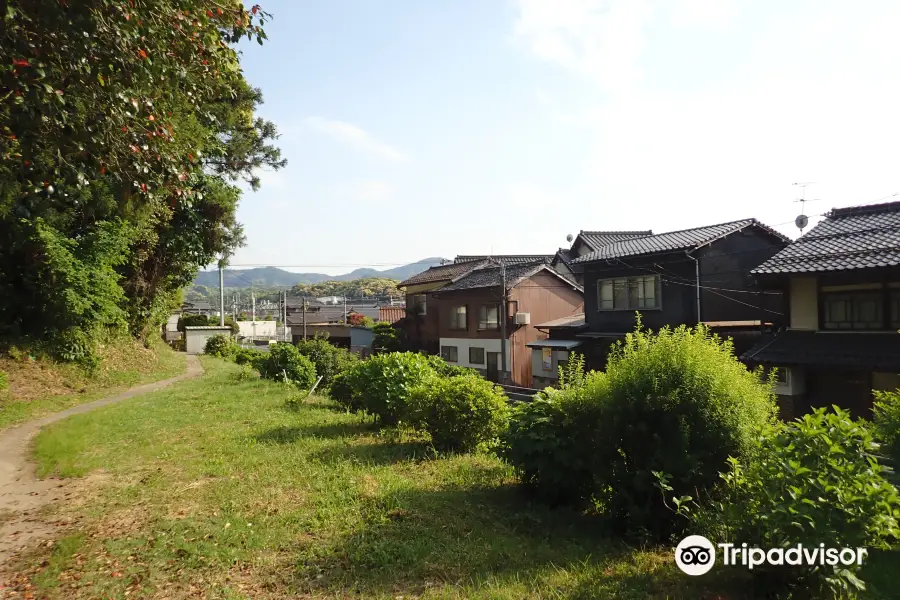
<point x="387" y="338"/>
<point x="358" y="320"/>
<point x="191" y="321"/>
<point x="124" y="127"/>
<point x="357" y="288"/>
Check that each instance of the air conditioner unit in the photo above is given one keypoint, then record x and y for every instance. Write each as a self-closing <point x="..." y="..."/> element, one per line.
<point x="523" y="318"/>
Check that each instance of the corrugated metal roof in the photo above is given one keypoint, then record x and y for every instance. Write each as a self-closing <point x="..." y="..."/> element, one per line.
<point x="849" y="238"/>
<point x="685" y="239"/>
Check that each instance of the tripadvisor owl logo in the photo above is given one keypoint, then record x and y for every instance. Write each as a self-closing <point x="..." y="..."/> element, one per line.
<point x="695" y="555"/>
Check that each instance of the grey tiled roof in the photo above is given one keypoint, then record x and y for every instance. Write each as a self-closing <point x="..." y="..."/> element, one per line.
<point x="440" y="273"/>
<point x="685" y="239"/>
<point x="852" y="350"/>
<point x="507" y="259"/>
<point x="597" y="239"/>
<point x="849" y="238"/>
<point x="490" y="277"/>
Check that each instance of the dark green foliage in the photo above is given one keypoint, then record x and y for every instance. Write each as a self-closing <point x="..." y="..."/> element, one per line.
<point x="572" y="374"/>
<point x="460" y="413"/>
<point x="221" y="346"/>
<point x="61" y="290"/>
<point x="551" y="440"/>
<point x="250" y="356"/>
<point x="235" y="328"/>
<point x="191" y="321"/>
<point x="4" y="381"/>
<point x="815" y="480"/>
<point x="328" y="359"/>
<point x="123" y="133"/>
<point x="385" y="381"/>
<point x="284" y="362"/>
<point x="445" y="369"/>
<point x="886" y="425"/>
<point x="345" y="388"/>
<point x="387" y="338"/>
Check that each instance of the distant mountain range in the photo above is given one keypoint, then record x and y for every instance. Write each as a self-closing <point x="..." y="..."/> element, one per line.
<point x="275" y="277"/>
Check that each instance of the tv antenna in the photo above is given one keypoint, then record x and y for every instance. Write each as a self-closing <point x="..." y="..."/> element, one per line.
<point x="802" y="220"/>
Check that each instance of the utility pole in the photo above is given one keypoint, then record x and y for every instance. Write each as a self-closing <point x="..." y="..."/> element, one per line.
<point x="222" y="292"/>
<point x="234" y="307"/>
<point x="304" y="317"/>
<point x="345" y="309"/>
<point x="253" y="314"/>
<point x="503" y="303"/>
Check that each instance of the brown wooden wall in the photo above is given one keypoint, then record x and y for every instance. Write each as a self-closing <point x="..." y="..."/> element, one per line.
<point x="546" y="297"/>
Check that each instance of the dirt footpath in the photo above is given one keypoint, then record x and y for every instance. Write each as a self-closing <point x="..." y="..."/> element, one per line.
<point x="22" y="494"/>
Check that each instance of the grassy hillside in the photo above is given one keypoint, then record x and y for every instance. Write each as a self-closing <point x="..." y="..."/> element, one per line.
<point x="40" y="386"/>
<point x="227" y="492"/>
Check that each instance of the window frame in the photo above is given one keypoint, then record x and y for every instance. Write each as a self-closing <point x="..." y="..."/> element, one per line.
<point x="852" y="299"/>
<point x="483" y="356"/>
<point x="629" y="284"/>
<point x="423" y="303"/>
<point x="446" y="355"/>
<point x="484" y="325"/>
<point x="454" y="314"/>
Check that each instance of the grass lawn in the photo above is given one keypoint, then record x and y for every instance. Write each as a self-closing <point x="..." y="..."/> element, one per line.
<point x="216" y="488"/>
<point x="38" y="387"/>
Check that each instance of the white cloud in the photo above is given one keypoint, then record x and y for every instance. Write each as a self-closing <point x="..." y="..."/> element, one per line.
<point x="600" y="39"/>
<point x="355" y="137"/>
<point x="810" y="96"/>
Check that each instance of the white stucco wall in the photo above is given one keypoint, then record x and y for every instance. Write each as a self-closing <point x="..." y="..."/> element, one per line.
<point x="195" y="338"/>
<point x="463" y="345"/>
<point x="804" y="303"/>
<point x="263" y="328"/>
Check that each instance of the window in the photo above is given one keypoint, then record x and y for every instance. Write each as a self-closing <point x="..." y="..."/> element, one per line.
<point x="628" y="293"/>
<point x="420" y="303"/>
<point x="450" y="353"/>
<point x="895" y="310"/>
<point x="780" y="374"/>
<point x="458" y="318"/>
<point x="489" y="317"/>
<point x="476" y="356"/>
<point x="853" y="310"/>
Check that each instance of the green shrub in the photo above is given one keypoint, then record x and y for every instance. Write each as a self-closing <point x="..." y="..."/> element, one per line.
<point x="385" y="383"/>
<point x="283" y="362"/>
<point x="345" y="388"/>
<point x="445" y="369"/>
<point x="678" y="402"/>
<point x="221" y="346"/>
<point x="4" y="381"/>
<point x="551" y="440"/>
<point x="250" y="356"/>
<point x="460" y="413"/>
<point x="815" y="480"/>
<point x="387" y="337"/>
<point x="886" y="424"/>
<point x="191" y="321"/>
<point x="328" y="359"/>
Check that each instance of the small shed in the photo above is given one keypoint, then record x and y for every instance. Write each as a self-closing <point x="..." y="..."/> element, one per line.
<point x="195" y="337"/>
<point x="361" y="339"/>
<point x="546" y="358"/>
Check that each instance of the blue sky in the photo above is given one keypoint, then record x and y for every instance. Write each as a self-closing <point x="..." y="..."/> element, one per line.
<point x="437" y="128"/>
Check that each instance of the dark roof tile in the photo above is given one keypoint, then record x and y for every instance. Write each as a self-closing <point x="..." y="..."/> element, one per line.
<point x="597" y="239"/>
<point x="507" y="259"/>
<point x="851" y="350"/>
<point x="849" y="238"/>
<point x="489" y="276"/>
<point x="672" y="241"/>
<point x="439" y="273"/>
